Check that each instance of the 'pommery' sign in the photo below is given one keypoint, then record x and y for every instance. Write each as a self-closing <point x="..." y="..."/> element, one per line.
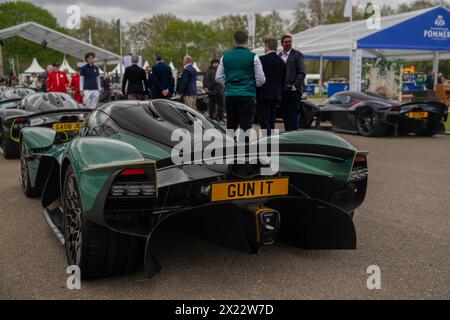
<point x="439" y="31"/>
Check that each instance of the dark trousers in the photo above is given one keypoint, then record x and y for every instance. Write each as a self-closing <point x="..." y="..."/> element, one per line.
<point x="266" y="111"/>
<point x="291" y="110"/>
<point x="240" y="112"/>
<point x="216" y="107"/>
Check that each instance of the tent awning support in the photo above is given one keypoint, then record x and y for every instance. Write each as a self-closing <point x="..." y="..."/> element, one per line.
<point x="321" y="74"/>
<point x="436" y="67"/>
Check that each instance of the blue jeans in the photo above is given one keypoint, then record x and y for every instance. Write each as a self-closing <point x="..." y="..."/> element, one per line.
<point x="291" y="110"/>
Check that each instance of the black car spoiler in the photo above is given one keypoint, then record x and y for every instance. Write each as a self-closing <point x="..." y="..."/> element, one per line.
<point x="437" y="104"/>
<point x="331" y="153"/>
<point x="50" y="113"/>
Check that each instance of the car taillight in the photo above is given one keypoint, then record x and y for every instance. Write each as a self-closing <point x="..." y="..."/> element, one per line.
<point x="133" y="172"/>
<point x="135" y="182"/>
<point x="133" y="190"/>
<point x="359" y="169"/>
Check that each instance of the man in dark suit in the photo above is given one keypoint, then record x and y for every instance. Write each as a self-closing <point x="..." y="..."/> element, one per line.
<point x="188" y="83"/>
<point x="214" y="91"/>
<point x="162" y="80"/>
<point x="135" y="84"/>
<point x="293" y="87"/>
<point x="270" y="94"/>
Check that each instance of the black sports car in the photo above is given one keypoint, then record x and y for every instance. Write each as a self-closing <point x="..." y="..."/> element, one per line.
<point x="15" y="93"/>
<point x="14" y="116"/>
<point x="373" y="114"/>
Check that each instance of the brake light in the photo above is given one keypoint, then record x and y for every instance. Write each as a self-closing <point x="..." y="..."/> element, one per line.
<point x="135" y="182"/>
<point x="21" y="120"/>
<point x="360" y="158"/>
<point x="133" y="172"/>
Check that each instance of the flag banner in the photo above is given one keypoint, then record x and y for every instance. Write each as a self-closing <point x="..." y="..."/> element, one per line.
<point x="251" y="23"/>
<point x="348" y="11"/>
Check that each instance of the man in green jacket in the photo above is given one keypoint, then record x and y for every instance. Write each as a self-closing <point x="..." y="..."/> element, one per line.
<point x="240" y="71"/>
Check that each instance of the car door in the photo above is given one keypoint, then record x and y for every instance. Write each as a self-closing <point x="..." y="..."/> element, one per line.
<point x="338" y="107"/>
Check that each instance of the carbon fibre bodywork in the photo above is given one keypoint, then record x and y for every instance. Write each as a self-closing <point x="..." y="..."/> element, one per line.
<point x="327" y="180"/>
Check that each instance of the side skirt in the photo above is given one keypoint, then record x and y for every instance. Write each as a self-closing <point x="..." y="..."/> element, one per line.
<point x="52" y="217"/>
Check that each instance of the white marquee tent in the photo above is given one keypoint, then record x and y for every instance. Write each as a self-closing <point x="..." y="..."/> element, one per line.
<point x="196" y="67"/>
<point x="65" y="65"/>
<point x="56" y="40"/>
<point x="413" y="36"/>
<point x="117" y="70"/>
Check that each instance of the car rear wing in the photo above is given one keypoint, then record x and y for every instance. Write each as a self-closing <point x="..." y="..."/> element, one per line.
<point x="435" y="104"/>
<point x="19" y="121"/>
<point x="331" y="153"/>
<point x="50" y="113"/>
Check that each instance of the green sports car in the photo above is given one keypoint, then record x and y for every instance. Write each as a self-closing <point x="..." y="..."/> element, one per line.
<point x="107" y="190"/>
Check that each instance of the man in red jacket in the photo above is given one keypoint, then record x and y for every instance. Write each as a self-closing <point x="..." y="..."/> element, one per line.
<point x="57" y="80"/>
<point x="75" y="87"/>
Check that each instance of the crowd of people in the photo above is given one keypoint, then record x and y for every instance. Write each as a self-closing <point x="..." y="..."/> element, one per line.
<point x="241" y="83"/>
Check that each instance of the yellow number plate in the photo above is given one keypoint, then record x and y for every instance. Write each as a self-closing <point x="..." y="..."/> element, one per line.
<point x="418" y="115"/>
<point x="69" y="126"/>
<point x="249" y="189"/>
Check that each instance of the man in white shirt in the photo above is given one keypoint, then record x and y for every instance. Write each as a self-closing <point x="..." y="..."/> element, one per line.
<point x="240" y="72"/>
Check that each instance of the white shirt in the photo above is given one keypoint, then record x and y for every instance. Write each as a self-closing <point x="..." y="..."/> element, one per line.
<point x="259" y="73"/>
<point x="285" y="55"/>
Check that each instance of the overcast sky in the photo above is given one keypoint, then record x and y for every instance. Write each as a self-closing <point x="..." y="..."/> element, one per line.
<point x="204" y="10"/>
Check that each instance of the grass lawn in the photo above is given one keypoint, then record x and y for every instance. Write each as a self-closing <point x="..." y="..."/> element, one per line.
<point x="447" y="125"/>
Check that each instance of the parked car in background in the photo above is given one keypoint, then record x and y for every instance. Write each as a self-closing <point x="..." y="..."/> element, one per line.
<point x="374" y="114"/>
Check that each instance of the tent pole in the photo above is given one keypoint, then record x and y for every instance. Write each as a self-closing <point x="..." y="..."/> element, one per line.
<point x="400" y="90"/>
<point x="321" y="74"/>
<point x="436" y="67"/>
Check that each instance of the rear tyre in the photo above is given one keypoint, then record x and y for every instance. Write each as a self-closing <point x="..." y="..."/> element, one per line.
<point x="28" y="190"/>
<point x="368" y="124"/>
<point x="98" y="251"/>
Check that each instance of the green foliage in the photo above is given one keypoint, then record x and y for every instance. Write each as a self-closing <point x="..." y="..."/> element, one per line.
<point x="188" y="37"/>
<point x="14" y="13"/>
<point x="104" y="33"/>
<point x="147" y="34"/>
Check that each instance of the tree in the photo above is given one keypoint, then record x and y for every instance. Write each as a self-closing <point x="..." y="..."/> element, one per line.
<point x="146" y="35"/>
<point x="14" y="13"/>
<point x="188" y="37"/>
<point x="269" y="26"/>
<point x="225" y="27"/>
<point x="301" y="21"/>
<point x="104" y="33"/>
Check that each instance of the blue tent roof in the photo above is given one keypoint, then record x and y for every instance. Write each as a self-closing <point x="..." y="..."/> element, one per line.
<point x="428" y="31"/>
